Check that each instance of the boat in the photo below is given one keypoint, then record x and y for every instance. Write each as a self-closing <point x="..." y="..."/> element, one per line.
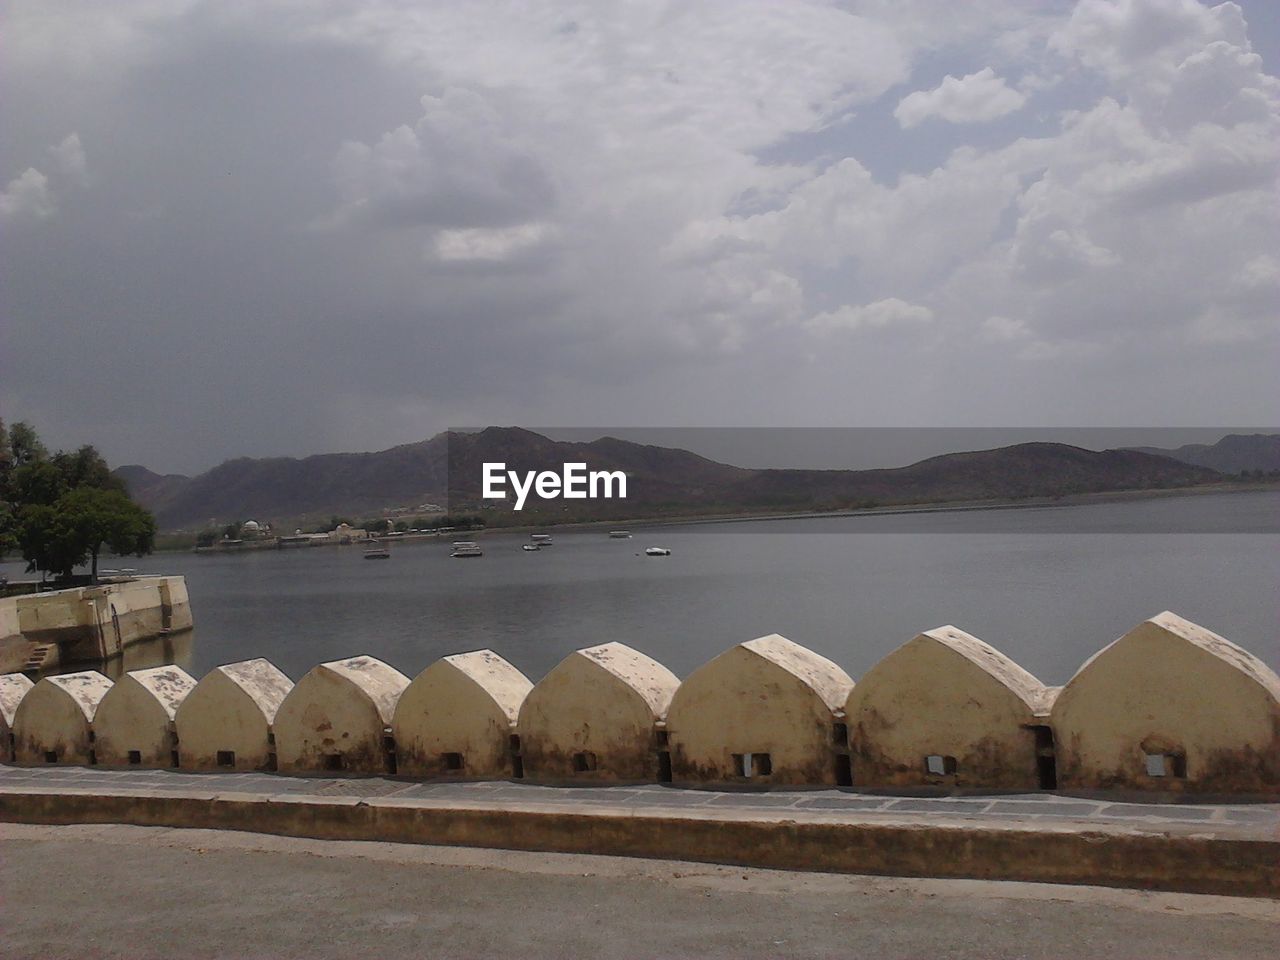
<point x="466" y="548"/>
<point x="379" y="552"/>
<point x="541" y="539"/>
<point x="657" y="552"/>
<point x="619" y="534"/>
<point x="531" y="547"/>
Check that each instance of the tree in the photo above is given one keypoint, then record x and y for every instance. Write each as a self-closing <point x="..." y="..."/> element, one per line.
<point x="79" y="525"/>
<point x="61" y="510"/>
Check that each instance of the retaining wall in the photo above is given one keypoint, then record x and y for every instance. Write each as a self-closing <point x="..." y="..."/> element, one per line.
<point x="88" y="624"/>
<point x="1169" y="707"/>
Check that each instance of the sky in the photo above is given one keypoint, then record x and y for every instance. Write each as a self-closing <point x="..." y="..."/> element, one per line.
<point x="278" y="227"/>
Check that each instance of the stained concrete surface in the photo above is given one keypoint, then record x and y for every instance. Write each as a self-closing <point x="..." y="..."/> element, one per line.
<point x="143" y="892"/>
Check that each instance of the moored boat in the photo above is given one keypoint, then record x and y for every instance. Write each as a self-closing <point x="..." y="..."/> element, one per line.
<point x="657" y="552"/>
<point x="466" y="548"/>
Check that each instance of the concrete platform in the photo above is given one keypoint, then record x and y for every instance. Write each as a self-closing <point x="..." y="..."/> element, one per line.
<point x="1229" y="849"/>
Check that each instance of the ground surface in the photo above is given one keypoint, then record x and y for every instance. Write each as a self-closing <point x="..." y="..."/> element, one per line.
<point x="148" y="892"/>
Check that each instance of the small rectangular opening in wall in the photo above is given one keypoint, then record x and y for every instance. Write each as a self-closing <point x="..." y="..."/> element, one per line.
<point x="937" y="765"/>
<point x="452" y="761"/>
<point x="844" y="771"/>
<point x="750" y="765"/>
<point x="135" y="757"/>
<point x="173" y="759"/>
<point x="517" y="766"/>
<point x="514" y="740"/>
<point x="226" y="758"/>
<point x="840" y="734"/>
<point x="272" y="764"/>
<point x="1166" y="765"/>
<point x="662" y="738"/>
<point x="664" y="766"/>
<point x="584" y="762"/>
<point x="389" y="744"/>
<point x="51" y="756"/>
<point x="271" y="738"/>
<point x="333" y="761"/>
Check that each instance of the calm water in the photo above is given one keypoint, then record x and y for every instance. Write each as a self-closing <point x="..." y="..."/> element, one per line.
<point x="851" y="589"/>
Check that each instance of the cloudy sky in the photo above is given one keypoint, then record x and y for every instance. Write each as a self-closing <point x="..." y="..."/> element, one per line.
<point x="252" y="228"/>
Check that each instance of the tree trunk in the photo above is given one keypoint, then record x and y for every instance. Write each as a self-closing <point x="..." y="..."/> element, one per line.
<point x="93" y="575"/>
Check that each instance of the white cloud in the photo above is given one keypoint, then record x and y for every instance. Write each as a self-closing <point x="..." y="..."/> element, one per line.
<point x="27" y="196"/>
<point x="975" y="98"/>
<point x="881" y="314"/>
<point x="627" y="209"/>
<point x="70" y="159"/>
<point x="495" y="245"/>
<point x="1000" y="329"/>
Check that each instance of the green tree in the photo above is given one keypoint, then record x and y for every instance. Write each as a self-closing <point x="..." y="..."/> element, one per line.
<point x="79" y="525"/>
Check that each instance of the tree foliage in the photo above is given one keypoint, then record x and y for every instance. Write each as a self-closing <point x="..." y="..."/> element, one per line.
<point x="62" y="510"/>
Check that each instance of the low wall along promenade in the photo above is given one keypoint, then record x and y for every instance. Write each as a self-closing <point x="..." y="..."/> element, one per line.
<point x="39" y="631"/>
<point x="1169" y="707"/>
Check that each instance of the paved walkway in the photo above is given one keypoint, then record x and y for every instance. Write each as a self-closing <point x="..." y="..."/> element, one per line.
<point x="1223" y="848"/>
<point x="1261" y="819"/>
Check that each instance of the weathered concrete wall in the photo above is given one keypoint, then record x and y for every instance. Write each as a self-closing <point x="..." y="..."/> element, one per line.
<point x="134" y="722"/>
<point x="952" y="697"/>
<point x="456" y="718"/>
<point x="225" y="722"/>
<point x="13" y="687"/>
<point x="764" y="712"/>
<point x="337" y="718"/>
<point x="594" y="717"/>
<point x="92" y="623"/>
<point x="175" y="604"/>
<point x="1170" y="706"/>
<point x="53" y="722"/>
<point x="13" y="647"/>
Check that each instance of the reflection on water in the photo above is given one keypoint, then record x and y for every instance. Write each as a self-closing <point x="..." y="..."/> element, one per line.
<point x="178" y="649"/>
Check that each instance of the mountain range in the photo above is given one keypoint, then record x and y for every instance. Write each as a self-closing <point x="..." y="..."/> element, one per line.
<point x="446" y="469"/>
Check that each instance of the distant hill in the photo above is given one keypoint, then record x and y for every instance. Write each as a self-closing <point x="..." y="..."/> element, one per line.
<point x="661" y="481"/>
<point x="1234" y="453"/>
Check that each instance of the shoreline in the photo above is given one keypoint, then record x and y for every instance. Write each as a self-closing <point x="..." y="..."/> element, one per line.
<point x="946" y="506"/>
<point x="902" y="509"/>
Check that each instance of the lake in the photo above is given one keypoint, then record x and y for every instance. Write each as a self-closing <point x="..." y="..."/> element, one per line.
<point x="1046" y="586"/>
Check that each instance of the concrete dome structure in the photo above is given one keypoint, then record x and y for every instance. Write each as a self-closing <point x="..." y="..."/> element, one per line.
<point x="1170" y="706"/>
<point x="457" y="716"/>
<point x="13" y="687"/>
<point x="767" y="711"/>
<point x="134" y="722"/>
<point x="53" y="722"/>
<point x="225" y="722"/>
<point x="594" y="717"/>
<point x="947" y="709"/>
<point x="338" y="718"/>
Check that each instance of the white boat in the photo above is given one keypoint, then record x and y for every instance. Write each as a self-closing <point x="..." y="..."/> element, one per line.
<point x="541" y="539"/>
<point x="377" y="553"/>
<point x="657" y="552"/>
<point x="466" y="548"/>
<point x="619" y="534"/>
<point x="531" y="547"/>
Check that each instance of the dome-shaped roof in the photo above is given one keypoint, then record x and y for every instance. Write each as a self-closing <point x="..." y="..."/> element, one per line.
<point x="251" y="525"/>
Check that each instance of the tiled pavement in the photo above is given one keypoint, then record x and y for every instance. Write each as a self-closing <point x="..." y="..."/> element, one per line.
<point x="1262" y="818"/>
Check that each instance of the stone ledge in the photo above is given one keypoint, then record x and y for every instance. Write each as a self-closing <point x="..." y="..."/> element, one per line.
<point x="1182" y="858"/>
